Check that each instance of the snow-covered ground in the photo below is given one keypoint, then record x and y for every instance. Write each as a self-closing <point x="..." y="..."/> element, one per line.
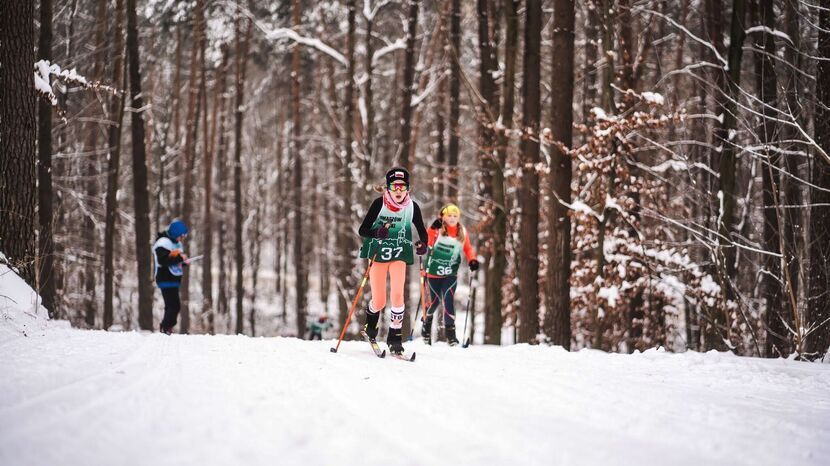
<point x="79" y="397"/>
<point x="76" y="397"/>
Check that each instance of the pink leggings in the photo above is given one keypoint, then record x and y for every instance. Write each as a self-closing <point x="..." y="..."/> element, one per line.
<point x="377" y="281"/>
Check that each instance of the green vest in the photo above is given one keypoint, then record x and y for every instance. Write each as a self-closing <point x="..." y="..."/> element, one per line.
<point x="396" y="247"/>
<point x="445" y="257"/>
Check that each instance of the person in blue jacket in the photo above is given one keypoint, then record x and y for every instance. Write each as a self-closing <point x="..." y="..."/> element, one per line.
<point x="170" y="259"/>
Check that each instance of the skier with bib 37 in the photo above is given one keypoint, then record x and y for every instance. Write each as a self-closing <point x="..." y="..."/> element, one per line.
<point x="387" y="237"/>
<point x="170" y="258"/>
<point x="448" y="239"/>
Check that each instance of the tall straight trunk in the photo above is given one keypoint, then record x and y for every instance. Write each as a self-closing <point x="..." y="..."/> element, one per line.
<point x="18" y="174"/>
<point x="207" y="244"/>
<point x="818" y="307"/>
<point x="727" y="171"/>
<point x="46" y="247"/>
<point x="498" y="262"/>
<point x="488" y="65"/>
<point x="369" y="98"/>
<point x="607" y="24"/>
<point x="404" y="157"/>
<point x="116" y="116"/>
<point x="91" y="171"/>
<point x="345" y="245"/>
<point x="793" y="226"/>
<point x="141" y="196"/>
<point x="222" y="306"/>
<point x="279" y="203"/>
<point x="557" y="323"/>
<point x="300" y="264"/>
<point x="589" y="79"/>
<point x="455" y="108"/>
<point x="528" y="260"/>
<point x="777" y="341"/>
<point x="194" y="109"/>
<point x="241" y="65"/>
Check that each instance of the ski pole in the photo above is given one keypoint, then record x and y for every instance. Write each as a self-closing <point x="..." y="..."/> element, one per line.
<point x="470" y="298"/>
<point x="354" y="303"/>
<point x="421" y="300"/>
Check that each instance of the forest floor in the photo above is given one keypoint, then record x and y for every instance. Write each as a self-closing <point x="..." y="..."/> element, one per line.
<point x="78" y="397"/>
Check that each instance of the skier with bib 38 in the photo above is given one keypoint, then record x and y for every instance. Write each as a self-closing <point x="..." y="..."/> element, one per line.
<point x="170" y="258"/>
<point x="448" y="239"/>
<point x="387" y="237"/>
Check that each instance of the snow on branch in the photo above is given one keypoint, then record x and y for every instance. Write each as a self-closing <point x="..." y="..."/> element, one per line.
<point x="45" y="71"/>
<point x="290" y="34"/>
<point x="399" y="44"/>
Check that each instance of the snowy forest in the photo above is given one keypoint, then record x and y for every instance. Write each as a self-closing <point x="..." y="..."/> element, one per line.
<point x="633" y="173"/>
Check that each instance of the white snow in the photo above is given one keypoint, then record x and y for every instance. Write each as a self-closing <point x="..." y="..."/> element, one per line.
<point x="79" y="397"/>
<point x="76" y="397"/>
<point x="653" y="98"/>
<point x="20" y="309"/>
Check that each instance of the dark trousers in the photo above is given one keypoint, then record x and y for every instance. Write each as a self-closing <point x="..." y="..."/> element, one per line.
<point x="172" y="305"/>
<point x="442" y="292"/>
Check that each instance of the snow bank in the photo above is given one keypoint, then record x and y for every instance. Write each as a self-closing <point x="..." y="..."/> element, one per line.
<point x="20" y="311"/>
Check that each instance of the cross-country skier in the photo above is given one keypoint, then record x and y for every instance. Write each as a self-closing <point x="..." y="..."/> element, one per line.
<point x="317" y="327"/>
<point x="170" y="259"/>
<point x="448" y="239"/>
<point x="387" y="236"/>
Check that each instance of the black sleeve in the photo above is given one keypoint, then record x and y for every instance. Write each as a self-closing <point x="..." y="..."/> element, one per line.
<point x="366" y="227"/>
<point x="418" y="221"/>
<point x="163" y="255"/>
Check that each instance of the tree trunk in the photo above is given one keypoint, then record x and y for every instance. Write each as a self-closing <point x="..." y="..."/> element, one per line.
<point x="404" y="157"/>
<point x="772" y="291"/>
<point x="818" y="307"/>
<point x="528" y="260"/>
<point x="217" y="122"/>
<point x="116" y="116"/>
<point x="194" y="109"/>
<point x="300" y="254"/>
<point x="368" y="97"/>
<point x="241" y="65"/>
<point x="455" y="109"/>
<point x="558" y="315"/>
<point x="46" y="247"/>
<point x="141" y="196"/>
<point x="494" y="280"/>
<point x="345" y="245"/>
<point x="18" y="133"/>
<point x="719" y="329"/>
<point x="488" y="65"/>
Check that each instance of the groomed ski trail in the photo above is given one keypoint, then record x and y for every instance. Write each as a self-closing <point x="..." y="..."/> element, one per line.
<point x="75" y="397"/>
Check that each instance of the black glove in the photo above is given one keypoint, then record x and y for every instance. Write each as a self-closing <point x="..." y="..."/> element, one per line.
<point x="473" y="265"/>
<point x="420" y="248"/>
<point x="382" y="232"/>
<point x="437" y="224"/>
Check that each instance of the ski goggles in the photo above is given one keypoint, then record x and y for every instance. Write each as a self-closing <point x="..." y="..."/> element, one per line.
<point x="398" y="187"/>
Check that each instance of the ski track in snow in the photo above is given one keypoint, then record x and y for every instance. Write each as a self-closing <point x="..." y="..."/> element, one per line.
<point x="75" y="397"/>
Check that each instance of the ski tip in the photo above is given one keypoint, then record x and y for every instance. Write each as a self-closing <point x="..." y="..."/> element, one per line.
<point x="413" y="357"/>
<point x="383" y="354"/>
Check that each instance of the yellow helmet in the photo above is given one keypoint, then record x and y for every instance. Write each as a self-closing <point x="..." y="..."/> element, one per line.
<point x="450" y="209"/>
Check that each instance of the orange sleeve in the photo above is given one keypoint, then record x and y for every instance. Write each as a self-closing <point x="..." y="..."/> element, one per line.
<point x="469" y="252"/>
<point x="432" y="235"/>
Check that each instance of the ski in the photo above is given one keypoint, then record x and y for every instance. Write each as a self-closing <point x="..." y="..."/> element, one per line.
<point x="404" y="357"/>
<point x="375" y="347"/>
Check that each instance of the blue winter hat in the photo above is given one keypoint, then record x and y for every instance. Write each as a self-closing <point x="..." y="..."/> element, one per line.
<point x="177" y="228"/>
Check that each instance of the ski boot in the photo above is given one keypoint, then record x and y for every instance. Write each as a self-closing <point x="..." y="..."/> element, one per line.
<point x="426" y="331"/>
<point x="394" y="341"/>
<point x="372" y="319"/>
<point x="449" y="330"/>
